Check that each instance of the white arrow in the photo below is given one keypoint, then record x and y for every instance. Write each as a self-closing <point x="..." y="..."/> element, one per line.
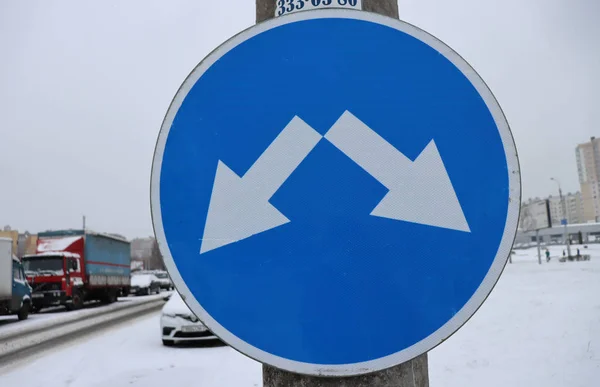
<point x="239" y="207"/>
<point x="419" y="192"/>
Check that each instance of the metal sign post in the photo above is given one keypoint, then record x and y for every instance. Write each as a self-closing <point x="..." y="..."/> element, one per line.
<point x="413" y="373"/>
<point x="335" y="193"/>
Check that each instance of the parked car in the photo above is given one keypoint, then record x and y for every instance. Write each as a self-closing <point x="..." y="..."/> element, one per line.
<point x="144" y="284"/>
<point x="178" y="324"/>
<point x="165" y="281"/>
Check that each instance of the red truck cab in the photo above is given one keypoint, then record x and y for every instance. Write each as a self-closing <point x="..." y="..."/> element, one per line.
<point x="54" y="276"/>
<point x="71" y="267"/>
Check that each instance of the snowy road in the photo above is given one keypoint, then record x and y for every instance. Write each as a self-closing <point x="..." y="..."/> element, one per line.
<point x="10" y="325"/>
<point x="540" y="327"/>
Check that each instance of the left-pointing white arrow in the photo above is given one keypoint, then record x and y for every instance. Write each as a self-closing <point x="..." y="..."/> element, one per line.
<point x="239" y="207"/>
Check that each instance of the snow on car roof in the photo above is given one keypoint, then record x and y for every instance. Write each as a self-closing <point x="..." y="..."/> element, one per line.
<point x="56" y="244"/>
<point x="176" y="305"/>
<point x="142" y="279"/>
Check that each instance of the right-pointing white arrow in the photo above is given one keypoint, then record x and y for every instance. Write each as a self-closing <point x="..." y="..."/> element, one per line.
<point x="419" y="192"/>
<point x="239" y="206"/>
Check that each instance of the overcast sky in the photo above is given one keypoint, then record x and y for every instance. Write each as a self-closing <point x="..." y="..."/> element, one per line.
<point x="84" y="89"/>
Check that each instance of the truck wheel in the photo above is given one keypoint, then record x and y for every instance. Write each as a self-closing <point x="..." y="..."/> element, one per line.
<point x="76" y="301"/>
<point x="24" y="312"/>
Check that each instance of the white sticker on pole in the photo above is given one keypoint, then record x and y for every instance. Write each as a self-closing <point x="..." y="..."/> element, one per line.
<point x="284" y="7"/>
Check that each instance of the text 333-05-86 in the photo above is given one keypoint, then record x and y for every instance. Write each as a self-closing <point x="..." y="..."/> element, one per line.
<point x="288" y="6"/>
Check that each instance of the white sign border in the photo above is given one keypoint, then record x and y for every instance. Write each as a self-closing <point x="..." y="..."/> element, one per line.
<point x="461" y="317"/>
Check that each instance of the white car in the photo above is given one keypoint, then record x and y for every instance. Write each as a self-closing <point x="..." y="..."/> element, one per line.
<point x="178" y="323"/>
<point x="164" y="280"/>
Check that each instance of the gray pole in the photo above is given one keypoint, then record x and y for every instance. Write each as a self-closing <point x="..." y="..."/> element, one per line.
<point x="410" y="374"/>
<point x="564" y="211"/>
<point x="537" y="239"/>
<point x="564" y="216"/>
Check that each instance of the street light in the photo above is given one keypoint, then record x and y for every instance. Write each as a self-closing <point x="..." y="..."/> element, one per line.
<point x="564" y="214"/>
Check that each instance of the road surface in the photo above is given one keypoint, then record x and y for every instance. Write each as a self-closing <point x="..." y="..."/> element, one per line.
<point x="10" y="325"/>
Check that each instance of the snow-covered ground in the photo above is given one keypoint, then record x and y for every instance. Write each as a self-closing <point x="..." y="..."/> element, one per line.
<point x="134" y="356"/>
<point x="539" y="327"/>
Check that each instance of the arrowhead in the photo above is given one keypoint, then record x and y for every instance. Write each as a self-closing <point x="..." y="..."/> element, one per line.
<point x="424" y="194"/>
<point x="236" y="211"/>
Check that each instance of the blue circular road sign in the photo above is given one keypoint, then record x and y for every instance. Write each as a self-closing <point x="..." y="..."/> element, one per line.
<point x="334" y="192"/>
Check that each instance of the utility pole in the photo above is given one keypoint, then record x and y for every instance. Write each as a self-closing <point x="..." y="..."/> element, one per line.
<point x="410" y="374"/>
<point x="564" y="216"/>
<point x="539" y="249"/>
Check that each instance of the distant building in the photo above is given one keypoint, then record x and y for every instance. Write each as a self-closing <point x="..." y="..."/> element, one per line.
<point x="27" y="244"/>
<point x="11" y="234"/>
<point x="573" y="206"/>
<point x="141" y="248"/>
<point x="588" y="168"/>
<point x="577" y="234"/>
<point x="23" y="243"/>
<point x="30" y="244"/>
